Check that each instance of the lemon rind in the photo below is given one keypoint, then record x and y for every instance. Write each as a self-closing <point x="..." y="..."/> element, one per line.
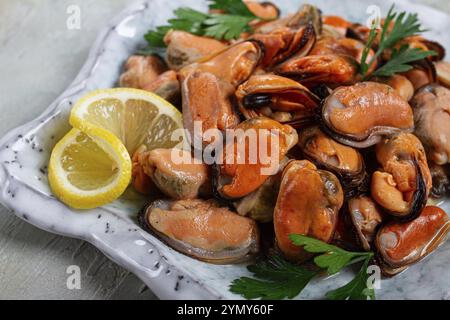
<point x="82" y="199"/>
<point x="123" y="94"/>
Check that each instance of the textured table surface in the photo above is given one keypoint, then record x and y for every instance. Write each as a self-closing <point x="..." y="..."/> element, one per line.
<point x="39" y="57"/>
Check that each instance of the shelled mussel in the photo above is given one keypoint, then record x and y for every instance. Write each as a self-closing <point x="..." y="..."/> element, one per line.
<point x="402" y="244"/>
<point x="202" y="229"/>
<point x="345" y="162"/>
<point x="308" y="203"/>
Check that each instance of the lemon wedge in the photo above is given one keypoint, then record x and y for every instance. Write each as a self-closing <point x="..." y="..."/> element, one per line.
<point x="88" y="171"/>
<point x="136" y="117"/>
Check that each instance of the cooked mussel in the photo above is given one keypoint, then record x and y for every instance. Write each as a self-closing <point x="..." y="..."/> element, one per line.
<point x="174" y="172"/>
<point x="432" y="118"/>
<point x="443" y="73"/>
<point x="339" y="24"/>
<point x="308" y="203"/>
<point x="307" y="14"/>
<point x="402" y="244"/>
<point x="419" y="42"/>
<point x="403" y="183"/>
<point x="436" y="47"/>
<point x="345" y="162"/>
<point x="141" y="71"/>
<point x="360" y="115"/>
<point x="285" y="42"/>
<point x="361" y="33"/>
<point x="184" y="48"/>
<point x="344" y="235"/>
<point x="343" y="46"/>
<point x="332" y="70"/>
<point x="259" y="205"/>
<point x="233" y="65"/>
<point x="166" y="85"/>
<point x="441" y="180"/>
<point x="366" y="217"/>
<point x="423" y="73"/>
<point x="253" y="154"/>
<point x="276" y="97"/>
<point x="400" y="84"/>
<point x="202" y="229"/>
<point x="208" y="87"/>
<point x="263" y="10"/>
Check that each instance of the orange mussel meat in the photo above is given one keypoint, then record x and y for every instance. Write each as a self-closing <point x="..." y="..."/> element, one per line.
<point x="308" y="203"/>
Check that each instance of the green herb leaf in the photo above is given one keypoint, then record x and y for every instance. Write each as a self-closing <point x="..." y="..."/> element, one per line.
<point x="278" y="279"/>
<point x="399" y="60"/>
<point x="333" y="258"/>
<point x="356" y="289"/>
<point x="403" y="26"/>
<point x="235" y="7"/>
<point x="155" y="38"/>
<point x="313" y="245"/>
<point x="188" y="20"/>
<point x="190" y="15"/>
<point x="364" y="65"/>
<point x="220" y="26"/>
<point x="223" y="26"/>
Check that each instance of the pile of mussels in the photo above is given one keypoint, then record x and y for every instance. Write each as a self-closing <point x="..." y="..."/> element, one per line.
<point x="360" y="161"/>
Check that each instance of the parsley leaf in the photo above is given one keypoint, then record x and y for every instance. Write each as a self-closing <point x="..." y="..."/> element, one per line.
<point x="235" y="7"/>
<point x="155" y="38"/>
<point x="220" y="26"/>
<point x="280" y="279"/>
<point x="364" y="66"/>
<point x="404" y="26"/>
<point x="396" y="27"/>
<point x="277" y="279"/>
<point x="223" y="26"/>
<point x="399" y="60"/>
<point x="189" y="14"/>
<point x="333" y="258"/>
<point x="355" y="289"/>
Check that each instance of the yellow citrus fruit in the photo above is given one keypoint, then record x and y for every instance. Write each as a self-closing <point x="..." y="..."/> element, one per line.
<point x="136" y="117"/>
<point x="88" y="171"/>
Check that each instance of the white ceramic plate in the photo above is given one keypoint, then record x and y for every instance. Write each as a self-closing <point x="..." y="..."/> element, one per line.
<point x="24" y="153"/>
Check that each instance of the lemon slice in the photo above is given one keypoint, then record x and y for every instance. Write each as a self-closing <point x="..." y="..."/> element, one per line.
<point x="135" y="116"/>
<point x="89" y="171"/>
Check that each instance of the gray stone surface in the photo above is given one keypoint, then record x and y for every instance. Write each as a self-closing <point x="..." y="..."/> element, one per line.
<point x="39" y="57"/>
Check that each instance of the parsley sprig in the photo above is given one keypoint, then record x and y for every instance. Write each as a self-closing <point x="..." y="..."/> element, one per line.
<point x="229" y="25"/>
<point x="403" y="26"/>
<point x="356" y="289"/>
<point x="400" y="59"/>
<point x="234" y="7"/>
<point x="276" y="279"/>
<point x="280" y="279"/>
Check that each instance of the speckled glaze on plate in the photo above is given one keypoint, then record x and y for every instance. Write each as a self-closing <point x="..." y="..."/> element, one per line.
<point x="24" y="153"/>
